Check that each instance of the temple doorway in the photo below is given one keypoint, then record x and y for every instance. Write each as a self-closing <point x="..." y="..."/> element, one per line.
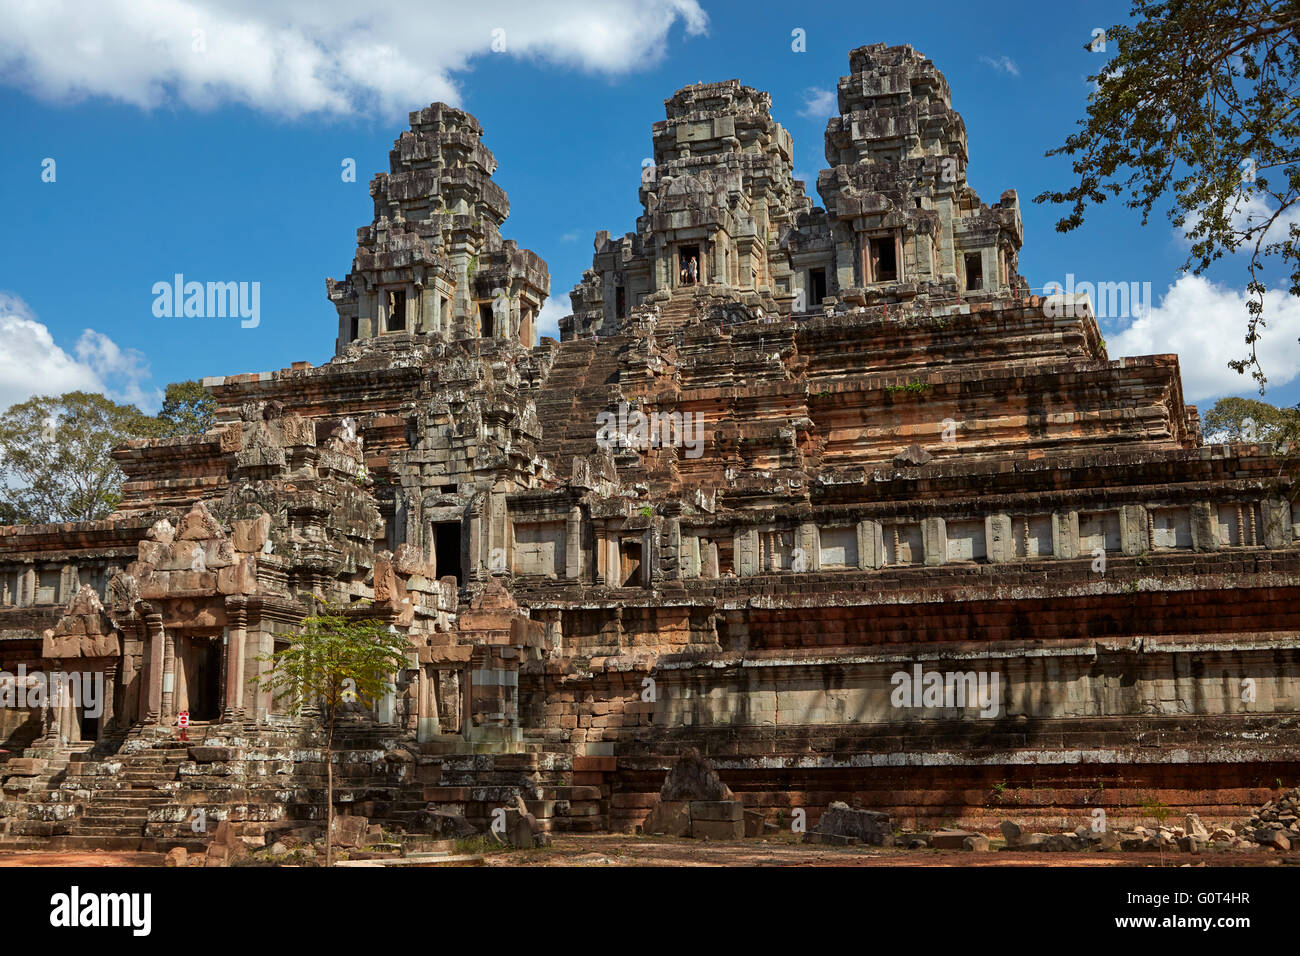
<point x="688" y="265"/>
<point x="446" y="553"/>
<point x="202" y="670"/>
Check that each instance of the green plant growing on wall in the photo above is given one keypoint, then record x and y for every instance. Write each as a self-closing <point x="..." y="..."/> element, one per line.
<point x="912" y="388"/>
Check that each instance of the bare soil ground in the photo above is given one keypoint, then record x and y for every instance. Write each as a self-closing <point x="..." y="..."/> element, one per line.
<point x="587" y="850"/>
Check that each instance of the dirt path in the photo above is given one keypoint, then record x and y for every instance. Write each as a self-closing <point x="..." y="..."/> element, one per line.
<point x="603" y="849"/>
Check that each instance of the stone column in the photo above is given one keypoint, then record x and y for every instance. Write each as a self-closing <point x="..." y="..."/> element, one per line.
<point x="234" y="696"/>
<point x="871" y="545"/>
<point x="999" y="543"/>
<point x="168" y="678"/>
<point x="1132" y="529"/>
<point x="573" y="544"/>
<point x="809" y="538"/>
<point x="934" y="541"/>
<point x="110" y="682"/>
<point x="1065" y="534"/>
<point x="1204" y="526"/>
<point x="746" y="552"/>
<point x="26" y="587"/>
<point x="153" y="683"/>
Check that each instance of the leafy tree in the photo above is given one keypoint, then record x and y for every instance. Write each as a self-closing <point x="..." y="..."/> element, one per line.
<point x="1248" y="419"/>
<point x="1200" y="103"/>
<point x="55" y="456"/>
<point x="187" y="409"/>
<point x="338" y="659"/>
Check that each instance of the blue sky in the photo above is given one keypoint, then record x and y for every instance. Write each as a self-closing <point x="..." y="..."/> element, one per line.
<point x="223" y="163"/>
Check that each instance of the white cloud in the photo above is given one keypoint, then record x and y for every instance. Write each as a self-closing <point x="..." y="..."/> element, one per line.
<point x="819" y="104"/>
<point x="548" y="320"/>
<point x="32" y="364"/>
<point x="1003" y="64"/>
<point x="1205" y="324"/>
<point x="308" y="56"/>
<point x="1251" y="210"/>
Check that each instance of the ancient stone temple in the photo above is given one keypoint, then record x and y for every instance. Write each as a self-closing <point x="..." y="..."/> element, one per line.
<point x="821" y="490"/>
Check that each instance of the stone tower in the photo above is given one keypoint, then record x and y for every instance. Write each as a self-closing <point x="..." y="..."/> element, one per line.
<point x="899" y="221"/>
<point x="433" y="261"/>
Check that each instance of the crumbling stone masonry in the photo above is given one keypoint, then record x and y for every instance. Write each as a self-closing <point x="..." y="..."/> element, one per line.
<point x="935" y="555"/>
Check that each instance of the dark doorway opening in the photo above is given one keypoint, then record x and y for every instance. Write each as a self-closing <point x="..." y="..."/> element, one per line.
<point x="485" y="320"/>
<point x="884" y="260"/>
<point x="446" y="549"/>
<point x="817" y="286"/>
<point x="90" y="725"/>
<point x="688" y="272"/>
<point x="397" y="312"/>
<point x="205" y="690"/>
<point x="620" y="302"/>
<point x="974" y="271"/>
<point x="354" y="330"/>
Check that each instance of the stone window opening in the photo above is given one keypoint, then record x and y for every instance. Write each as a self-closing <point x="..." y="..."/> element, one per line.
<point x="629" y="556"/>
<point x="974" y="271"/>
<point x="486" y="326"/>
<point x="396" y="311"/>
<point x="816" y="286"/>
<point x="882" y="259"/>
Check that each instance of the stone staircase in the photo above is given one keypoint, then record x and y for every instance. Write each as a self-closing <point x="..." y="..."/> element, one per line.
<point x="583" y="382"/>
<point x="153" y="792"/>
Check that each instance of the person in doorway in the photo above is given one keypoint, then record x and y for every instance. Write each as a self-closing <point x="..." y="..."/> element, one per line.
<point x="693" y="270"/>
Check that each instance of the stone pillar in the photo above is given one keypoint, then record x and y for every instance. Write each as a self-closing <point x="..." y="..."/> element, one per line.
<point x="153" y="683"/>
<point x="691" y="565"/>
<point x="670" y="565"/>
<point x="235" y="637"/>
<point x="810" y="544"/>
<point x="710" y="569"/>
<point x="1204" y="526"/>
<point x="871" y="545"/>
<point x="934" y="541"/>
<point x="168" y="678"/>
<point x="1065" y="534"/>
<point x="1276" y="515"/>
<point x="999" y="542"/>
<point x="110" y="684"/>
<point x="68" y="583"/>
<point x="746" y="552"/>
<point x="1133" y="529"/>
<point x="466" y="704"/>
<point x="26" y="587"/>
<point x="573" y="544"/>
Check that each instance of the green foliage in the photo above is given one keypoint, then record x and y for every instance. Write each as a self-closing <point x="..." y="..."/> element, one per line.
<point x="1198" y="107"/>
<point x="56" y="459"/>
<point x="1248" y="419"/>
<point x="187" y="409"/>
<point x="337" y="659"/>
<point x="1156" y="810"/>
<point x="912" y="388"/>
